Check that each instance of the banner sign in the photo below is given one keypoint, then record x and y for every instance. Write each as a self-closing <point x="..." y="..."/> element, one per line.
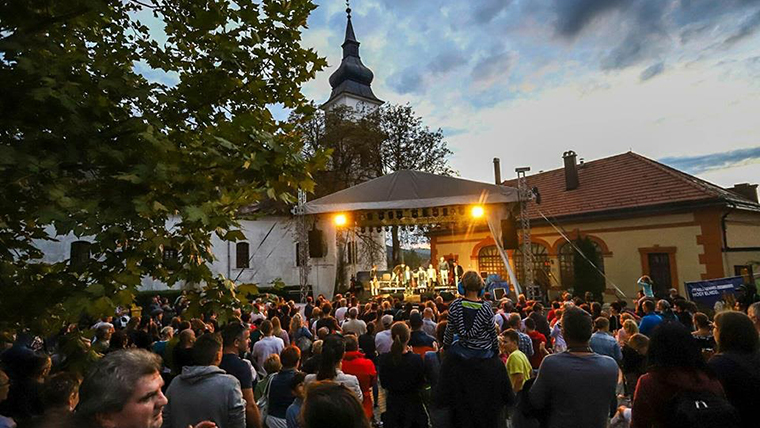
<point x="708" y="292"/>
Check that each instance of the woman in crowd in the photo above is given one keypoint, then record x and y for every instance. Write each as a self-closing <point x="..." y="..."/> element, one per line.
<point x="402" y="375"/>
<point x="737" y="363"/>
<point x="675" y="366"/>
<point x="704" y="332"/>
<point x="331" y="405"/>
<point x="629" y="329"/>
<point x="277" y="331"/>
<point x="333" y="348"/>
<point x="634" y="364"/>
<point x="300" y="335"/>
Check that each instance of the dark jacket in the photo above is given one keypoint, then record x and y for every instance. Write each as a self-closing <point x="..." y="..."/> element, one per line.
<point x="204" y="393"/>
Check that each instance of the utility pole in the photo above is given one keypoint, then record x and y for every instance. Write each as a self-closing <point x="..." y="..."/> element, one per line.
<point x="526" y="195"/>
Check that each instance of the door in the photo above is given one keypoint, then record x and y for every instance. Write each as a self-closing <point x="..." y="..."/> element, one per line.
<point x="659" y="271"/>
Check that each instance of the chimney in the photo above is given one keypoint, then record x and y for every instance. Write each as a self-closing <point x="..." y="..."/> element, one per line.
<point x="571" y="170"/>
<point x="497" y="170"/>
<point x="746" y="190"/>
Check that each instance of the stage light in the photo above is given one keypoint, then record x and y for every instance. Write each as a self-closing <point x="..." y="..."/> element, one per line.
<point x="340" y="220"/>
<point x="477" y="211"/>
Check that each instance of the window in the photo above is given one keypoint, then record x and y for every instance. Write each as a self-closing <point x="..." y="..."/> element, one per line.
<point x="490" y="262"/>
<point x="745" y="271"/>
<point x="80" y="253"/>
<point x="242" y="258"/>
<point x="541" y="264"/>
<point x="170" y="254"/>
<point x="567" y="263"/>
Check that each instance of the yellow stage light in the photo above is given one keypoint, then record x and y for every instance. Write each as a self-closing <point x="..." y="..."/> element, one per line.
<point x="340" y="220"/>
<point x="477" y="211"/>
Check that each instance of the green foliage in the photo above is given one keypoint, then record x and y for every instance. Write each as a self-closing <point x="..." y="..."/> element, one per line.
<point x="587" y="278"/>
<point x="90" y="147"/>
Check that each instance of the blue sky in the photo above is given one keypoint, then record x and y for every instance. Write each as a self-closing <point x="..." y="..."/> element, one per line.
<point x="525" y="80"/>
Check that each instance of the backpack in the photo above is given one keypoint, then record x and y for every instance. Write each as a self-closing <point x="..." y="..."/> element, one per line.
<point x="701" y="409"/>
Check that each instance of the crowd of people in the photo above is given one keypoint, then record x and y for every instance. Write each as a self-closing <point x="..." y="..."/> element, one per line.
<point x="466" y="362"/>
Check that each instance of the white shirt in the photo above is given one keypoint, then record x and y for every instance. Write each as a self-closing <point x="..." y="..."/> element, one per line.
<point x="265" y="347"/>
<point x="383" y="342"/>
<point x="347" y="380"/>
<point x="340" y="313"/>
<point x="356" y="326"/>
<point x="428" y="326"/>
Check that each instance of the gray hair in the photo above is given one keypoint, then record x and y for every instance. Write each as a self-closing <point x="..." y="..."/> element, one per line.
<point x="114" y="378"/>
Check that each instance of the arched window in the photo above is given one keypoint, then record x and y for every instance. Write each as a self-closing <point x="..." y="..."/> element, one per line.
<point x="241" y="259"/>
<point x="541" y="265"/>
<point x="567" y="263"/>
<point x="490" y="262"/>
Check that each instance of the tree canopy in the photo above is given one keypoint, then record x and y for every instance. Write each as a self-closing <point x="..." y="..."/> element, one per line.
<point x="91" y="147"/>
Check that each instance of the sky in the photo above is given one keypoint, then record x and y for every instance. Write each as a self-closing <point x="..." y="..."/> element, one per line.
<point x="526" y="80"/>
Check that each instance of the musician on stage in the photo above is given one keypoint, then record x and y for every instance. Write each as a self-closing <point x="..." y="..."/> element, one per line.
<point x="421" y="278"/>
<point x="374" y="284"/>
<point x="443" y="270"/>
<point x="432" y="277"/>
<point x="458" y="272"/>
<point x="408" y="280"/>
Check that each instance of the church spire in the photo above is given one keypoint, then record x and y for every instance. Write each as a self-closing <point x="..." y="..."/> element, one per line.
<point x="352" y="78"/>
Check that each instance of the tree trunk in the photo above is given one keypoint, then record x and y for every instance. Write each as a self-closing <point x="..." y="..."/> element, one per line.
<point x="396" y="247"/>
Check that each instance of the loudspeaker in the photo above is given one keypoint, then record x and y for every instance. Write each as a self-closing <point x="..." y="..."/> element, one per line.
<point x="317" y="247"/>
<point x="509" y="234"/>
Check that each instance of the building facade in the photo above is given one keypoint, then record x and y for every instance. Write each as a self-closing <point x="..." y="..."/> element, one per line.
<point x="643" y="218"/>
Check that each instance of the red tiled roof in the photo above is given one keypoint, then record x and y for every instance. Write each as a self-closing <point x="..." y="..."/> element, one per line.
<point x="625" y="181"/>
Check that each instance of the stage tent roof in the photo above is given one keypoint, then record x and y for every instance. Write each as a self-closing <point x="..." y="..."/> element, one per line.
<point x="411" y="189"/>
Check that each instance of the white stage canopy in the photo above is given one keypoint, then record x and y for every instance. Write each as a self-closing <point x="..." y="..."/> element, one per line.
<point x="411" y="189"/>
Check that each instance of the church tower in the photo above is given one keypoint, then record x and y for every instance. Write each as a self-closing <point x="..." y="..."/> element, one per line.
<point x="351" y="81"/>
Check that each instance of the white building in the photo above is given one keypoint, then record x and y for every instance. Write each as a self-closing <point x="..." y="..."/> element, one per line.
<point x="269" y="252"/>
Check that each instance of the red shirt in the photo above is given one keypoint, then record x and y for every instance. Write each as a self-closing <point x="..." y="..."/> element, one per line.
<point x="537" y="338"/>
<point x="355" y="363"/>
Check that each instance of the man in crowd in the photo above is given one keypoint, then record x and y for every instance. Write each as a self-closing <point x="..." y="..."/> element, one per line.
<point x="267" y="345"/>
<point x="518" y="366"/>
<point x="525" y="344"/>
<point x="419" y="340"/>
<point x="542" y="325"/>
<point x="204" y="392"/>
<point x="650" y="320"/>
<point x="353" y="324"/>
<point x="280" y="391"/>
<point x="383" y="340"/>
<point x="577" y="387"/>
<point x="236" y="340"/>
<point x="123" y="390"/>
<point x="428" y="324"/>
<point x="602" y="341"/>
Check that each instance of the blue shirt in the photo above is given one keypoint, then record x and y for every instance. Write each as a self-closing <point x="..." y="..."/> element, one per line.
<point x="604" y="344"/>
<point x="648" y="323"/>
<point x="292" y="415"/>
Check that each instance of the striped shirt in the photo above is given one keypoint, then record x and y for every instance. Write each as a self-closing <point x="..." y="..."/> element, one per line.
<point x="473" y="324"/>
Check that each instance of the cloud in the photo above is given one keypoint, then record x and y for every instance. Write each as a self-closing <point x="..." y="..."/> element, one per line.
<point x="652" y="71"/>
<point x="487" y="10"/>
<point x="747" y="28"/>
<point x="574" y="15"/>
<point x="714" y="161"/>
<point x="446" y="61"/>
<point x="407" y="81"/>
<point x="493" y="69"/>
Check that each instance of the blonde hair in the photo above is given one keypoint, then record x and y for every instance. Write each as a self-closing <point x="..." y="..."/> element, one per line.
<point x="295" y="323"/>
<point x="272" y="364"/>
<point x="630" y="327"/>
<point x="276" y="326"/>
<point x="316" y="347"/>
